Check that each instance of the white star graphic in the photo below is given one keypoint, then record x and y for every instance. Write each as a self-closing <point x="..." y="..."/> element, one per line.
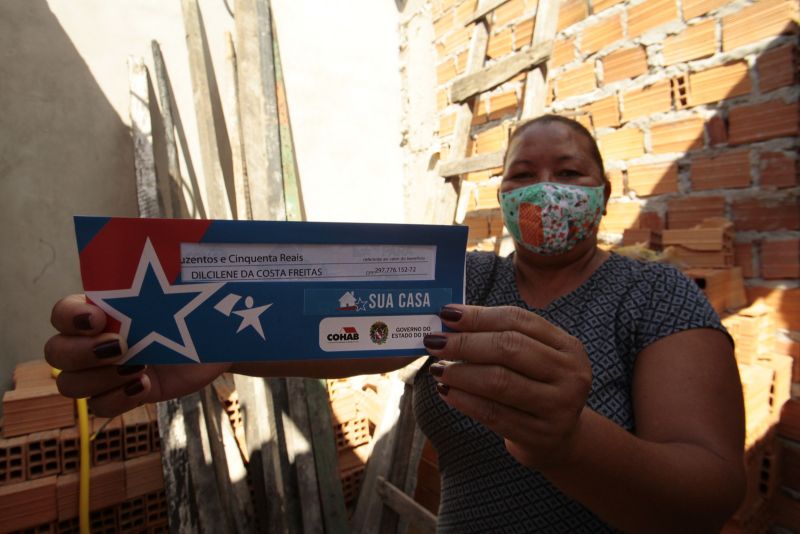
<point x="149" y="258"/>
<point x="361" y="305"/>
<point x="250" y="317"/>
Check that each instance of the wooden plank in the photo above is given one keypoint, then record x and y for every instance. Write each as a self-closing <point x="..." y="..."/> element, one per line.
<point x="479" y="43"/>
<point x="414" y="458"/>
<point x="177" y="481"/>
<point x="241" y="187"/>
<point x="217" y="201"/>
<point x="258" y="101"/>
<point x="367" y="516"/>
<point x="470" y="85"/>
<point x="481" y="162"/>
<point x="166" y="100"/>
<point x="148" y="198"/>
<point x="484" y="9"/>
<point x="292" y="192"/>
<point x="285" y="431"/>
<point x="263" y="464"/>
<point x="398" y="469"/>
<point x="299" y="444"/>
<point x="534" y="98"/>
<point x="334" y="511"/>
<point x="212" y="514"/>
<point x="406" y="506"/>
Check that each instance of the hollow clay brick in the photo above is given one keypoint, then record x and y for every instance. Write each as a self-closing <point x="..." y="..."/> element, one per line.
<point x="653" y="179"/>
<point x="523" y="33"/>
<point x="446" y="124"/>
<point x="442" y="100"/>
<point x="464" y="11"/>
<point x="70" y="449"/>
<point x="785" y="302"/>
<point x="656" y="98"/>
<point x="687" y="212"/>
<point x="107" y="445"/>
<point x="605" y="112"/>
<point x="650" y="14"/>
<point x="571" y="12"/>
<point x="500" y="43"/>
<point x="601" y="34"/>
<point x="508" y="12"/>
<point x="600" y="5"/>
<point x="28" y="504"/>
<point x="455" y="41"/>
<point x="695" y="8"/>
<point x="780" y="259"/>
<point x="743" y="257"/>
<point x="777" y="68"/>
<point x="624" y="64"/>
<point x="576" y="81"/>
<point x="620" y="216"/>
<point x="719" y="83"/>
<point x="34" y="409"/>
<point x="502" y="105"/>
<point x="563" y="52"/>
<point x="766" y="214"/>
<point x="779" y="170"/>
<point x="491" y="140"/>
<point x="107" y="489"/>
<point x="445" y="71"/>
<point x="694" y="42"/>
<point x="717" y="131"/>
<point x="13" y="459"/>
<point x="625" y="143"/>
<point x="617" y="179"/>
<point x="43" y="454"/>
<point x="764" y="121"/>
<point x="724" y="171"/>
<point x="677" y="136"/>
<point x="444" y="24"/>
<point x="143" y="475"/>
<point x="136" y="432"/>
<point x="763" y="19"/>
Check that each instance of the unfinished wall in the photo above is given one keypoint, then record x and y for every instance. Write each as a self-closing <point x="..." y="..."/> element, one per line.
<point x="695" y="107"/>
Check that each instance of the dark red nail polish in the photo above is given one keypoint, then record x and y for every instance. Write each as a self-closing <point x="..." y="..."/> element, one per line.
<point x="83" y="321"/>
<point x="134" y="388"/>
<point x="450" y="314"/>
<point x="436" y="369"/>
<point x="442" y="389"/>
<point x="125" y="370"/>
<point x="434" y="341"/>
<point x="109" y="349"/>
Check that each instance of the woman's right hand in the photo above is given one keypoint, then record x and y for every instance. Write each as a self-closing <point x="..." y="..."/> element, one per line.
<point x="88" y="359"/>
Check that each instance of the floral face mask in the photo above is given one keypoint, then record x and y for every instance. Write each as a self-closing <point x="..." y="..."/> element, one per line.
<point x="549" y="218"/>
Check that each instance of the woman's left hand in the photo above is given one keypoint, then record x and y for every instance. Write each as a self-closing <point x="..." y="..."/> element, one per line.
<point x="517" y="374"/>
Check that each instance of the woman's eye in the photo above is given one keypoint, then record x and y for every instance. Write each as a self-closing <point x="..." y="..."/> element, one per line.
<point x="568" y="173"/>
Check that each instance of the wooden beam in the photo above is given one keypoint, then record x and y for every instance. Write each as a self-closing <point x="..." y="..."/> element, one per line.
<point x="405" y="506"/>
<point x="217" y="202"/>
<point x="473" y="84"/>
<point x="463" y="124"/>
<point x="168" y="120"/>
<point x="481" y="162"/>
<point x="240" y="185"/>
<point x="534" y="98"/>
<point x="484" y="10"/>
<point x="175" y="455"/>
<point x="259" y="109"/>
<point x="323" y="440"/>
<point x="147" y="193"/>
<point x="300" y="445"/>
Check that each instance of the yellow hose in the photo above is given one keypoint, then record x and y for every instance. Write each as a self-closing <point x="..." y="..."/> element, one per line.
<point x="85" y="438"/>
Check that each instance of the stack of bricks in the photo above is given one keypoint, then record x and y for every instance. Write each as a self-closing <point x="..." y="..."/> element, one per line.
<point x="40" y="461"/>
<point x="356" y="408"/>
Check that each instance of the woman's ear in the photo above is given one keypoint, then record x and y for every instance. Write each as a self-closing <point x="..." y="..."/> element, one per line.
<point x="606" y="192"/>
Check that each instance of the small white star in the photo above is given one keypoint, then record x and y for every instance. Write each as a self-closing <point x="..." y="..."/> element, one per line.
<point x="250" y="316"/>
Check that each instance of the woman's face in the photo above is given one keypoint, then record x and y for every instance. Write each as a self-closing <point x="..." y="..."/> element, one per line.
<point x="550" y="152"/>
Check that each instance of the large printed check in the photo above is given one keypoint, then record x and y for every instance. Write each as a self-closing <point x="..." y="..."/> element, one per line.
<point x="216" y="291"/>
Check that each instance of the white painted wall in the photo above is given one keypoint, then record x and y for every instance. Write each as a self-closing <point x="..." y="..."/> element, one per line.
<point x="65" y="147"/>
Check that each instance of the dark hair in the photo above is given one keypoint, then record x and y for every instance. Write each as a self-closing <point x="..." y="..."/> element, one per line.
<point x="573" y="124"/>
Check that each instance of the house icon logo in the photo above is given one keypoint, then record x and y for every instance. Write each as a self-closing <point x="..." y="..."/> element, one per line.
<point x="347" y="302"/>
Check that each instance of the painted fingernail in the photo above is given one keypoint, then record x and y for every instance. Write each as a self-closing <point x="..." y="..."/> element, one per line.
<point x="442" y="389"/>
<point x="109" y="349"/>
<point x="450" y="314"/>
<point x="436" y="369"/>
<point x="83" y="321"/>
<point x="134" y="388"/>
<point x="434" y="341"/>
<point x="125" y="370"/>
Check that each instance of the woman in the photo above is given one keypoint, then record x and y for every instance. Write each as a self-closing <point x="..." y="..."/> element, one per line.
<point x="591" y="392"/>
